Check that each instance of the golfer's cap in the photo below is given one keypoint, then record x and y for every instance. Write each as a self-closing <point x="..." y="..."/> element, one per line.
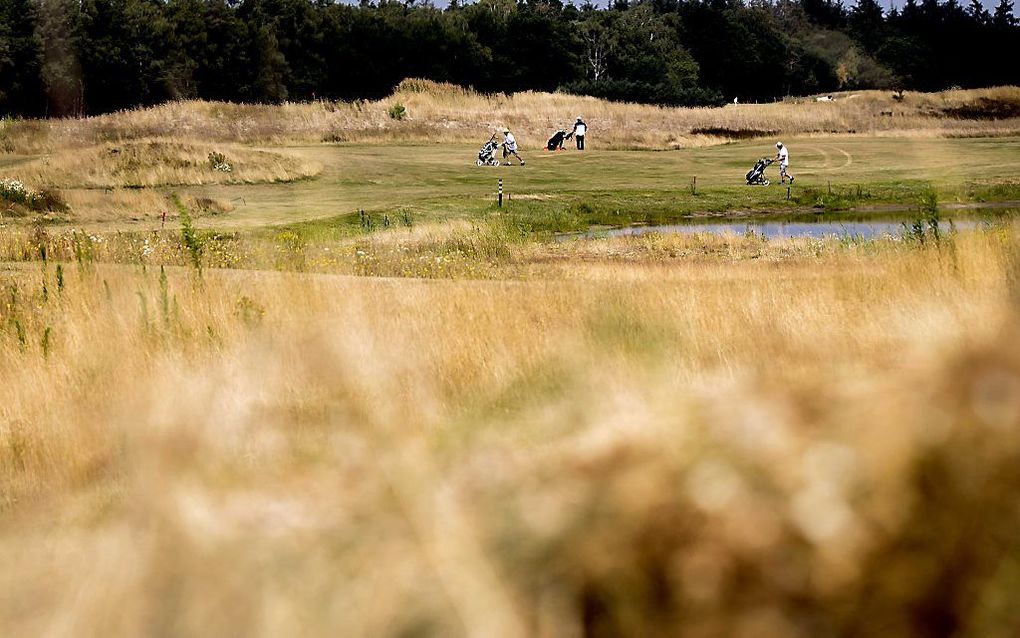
<point x="779" y="145"/>
<point x="506" y="130"/>
<point x="578" y="118"/>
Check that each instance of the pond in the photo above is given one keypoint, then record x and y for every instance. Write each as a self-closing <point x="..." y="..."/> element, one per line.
<point x="818" y="226"/>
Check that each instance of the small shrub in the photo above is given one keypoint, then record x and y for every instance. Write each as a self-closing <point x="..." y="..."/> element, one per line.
<point x="14" y="192"/>
<point x="189" y="236"/>
<point x="397" y="111"/>
<point x="926" y="226"/>
<point x="50" y="199"/>
<point x="366" y="221"/>
<point x="583" y="209"/>
<point x="249" y="311"/>
<point x="44" y="343"/>
<point x="19" y="329"/>
<point x="40" y="240"/>
<point x="218" y="162"/>
<point x="164" y="295"/>
<point x="213" y="206"/>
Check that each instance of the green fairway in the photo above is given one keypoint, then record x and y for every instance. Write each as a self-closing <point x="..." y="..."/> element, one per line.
<point x="569" y="190"/>
<point x="441" y="181"/>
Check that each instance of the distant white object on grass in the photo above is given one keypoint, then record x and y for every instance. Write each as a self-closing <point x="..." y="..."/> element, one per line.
<point x="824" y="98"/>
<point x="736" y="101"/>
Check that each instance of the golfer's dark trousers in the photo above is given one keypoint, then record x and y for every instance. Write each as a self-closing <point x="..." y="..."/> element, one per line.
<point x="580" y="142"/>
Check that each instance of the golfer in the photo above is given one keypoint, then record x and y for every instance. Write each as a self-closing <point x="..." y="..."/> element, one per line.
<point x="580" y="128"/>
<point x="783" y="155"/>
<point x="510" y="147"/>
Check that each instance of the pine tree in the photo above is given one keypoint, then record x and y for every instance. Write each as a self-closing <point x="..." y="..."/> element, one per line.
<point x="866" y="22"/>
<point x="270" y="67"/>
<point x="21" y="89"/>
<point x="978" y="12"/>
<point x="59" y="28"/>
<point x="1003" y="16"/>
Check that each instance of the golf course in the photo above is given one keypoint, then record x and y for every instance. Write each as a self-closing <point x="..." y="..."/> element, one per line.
<point x="439" y="182"/>
<point x="298" y="369"/>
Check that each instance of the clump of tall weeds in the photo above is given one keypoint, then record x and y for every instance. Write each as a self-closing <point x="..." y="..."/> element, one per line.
<point x="189" y="236"/>
<point x="926" y="225"/>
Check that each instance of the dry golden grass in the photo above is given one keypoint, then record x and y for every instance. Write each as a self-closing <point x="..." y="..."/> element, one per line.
<point x="491" y="249"/>
<point x="161" y="162"/>
<point x="819" y="441"/>
<point x="439" y="112"/>
<point x="124" y="206"/>
<point x="128" y="205"/>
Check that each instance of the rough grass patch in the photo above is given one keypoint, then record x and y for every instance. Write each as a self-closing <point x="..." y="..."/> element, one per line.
<point x="162" y="163"/>
<point x="734" y="133"/>
<point x="986" y="108"/>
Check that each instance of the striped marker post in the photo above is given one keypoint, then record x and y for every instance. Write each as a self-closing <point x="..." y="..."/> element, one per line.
<point x="499" y="197"/>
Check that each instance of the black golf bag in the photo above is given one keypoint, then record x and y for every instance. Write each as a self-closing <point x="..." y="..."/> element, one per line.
<point x="555" y="142"/>
<point x="756" y="176"/>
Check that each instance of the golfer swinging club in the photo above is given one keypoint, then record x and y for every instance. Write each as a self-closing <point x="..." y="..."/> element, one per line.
<point x="784" y="163"/>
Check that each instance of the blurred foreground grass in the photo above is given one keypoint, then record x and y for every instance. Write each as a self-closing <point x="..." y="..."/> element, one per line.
<point x="694" y="436"/>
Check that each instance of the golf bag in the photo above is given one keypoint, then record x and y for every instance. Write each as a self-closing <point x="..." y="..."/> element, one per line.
<point x="756" y="176"/>
<point x="487" y="155"/>
<point x="555" y="142"/>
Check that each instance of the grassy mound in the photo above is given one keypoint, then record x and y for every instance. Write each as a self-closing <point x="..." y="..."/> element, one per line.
<point x="435" y="112"/>
<point x="161" y="163"/>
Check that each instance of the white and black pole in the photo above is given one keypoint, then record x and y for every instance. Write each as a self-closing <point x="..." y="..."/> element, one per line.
<point x="499" y="197"/>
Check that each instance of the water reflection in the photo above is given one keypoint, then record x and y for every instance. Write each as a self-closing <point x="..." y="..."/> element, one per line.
<point x="819" y="227"/>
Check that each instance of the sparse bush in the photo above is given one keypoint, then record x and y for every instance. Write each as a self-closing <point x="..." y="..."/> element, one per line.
<point x="13" y="191"/>
<point x="397" y="111"/>
<point x="218" y="162"/>
<point x="925" y="227"/>
<point x="249" y="311"/>
<point x="365" y="221"/>
<point x="189" y="236"/>
<point x="50" y="199"/>
<point x="16" y="195"/>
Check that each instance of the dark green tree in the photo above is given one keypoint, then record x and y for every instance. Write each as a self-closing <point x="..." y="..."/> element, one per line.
<point x="21" y="87"/>
<point x="1003" y="16"/>
<point x="59" y="28"/>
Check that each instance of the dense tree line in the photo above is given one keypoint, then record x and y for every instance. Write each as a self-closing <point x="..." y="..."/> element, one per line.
<point x="63" y="57"/>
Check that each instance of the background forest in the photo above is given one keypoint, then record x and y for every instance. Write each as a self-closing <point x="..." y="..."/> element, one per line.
<point x="78" y="57"/>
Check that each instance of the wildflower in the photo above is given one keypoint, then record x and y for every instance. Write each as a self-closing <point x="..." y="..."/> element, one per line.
<point x="14" y="191"/>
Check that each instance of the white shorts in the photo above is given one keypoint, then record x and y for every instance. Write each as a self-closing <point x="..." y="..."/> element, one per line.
<point x="784" y="166"/>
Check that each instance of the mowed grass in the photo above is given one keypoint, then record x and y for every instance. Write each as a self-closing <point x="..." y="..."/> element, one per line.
<point x="440" y="182"/>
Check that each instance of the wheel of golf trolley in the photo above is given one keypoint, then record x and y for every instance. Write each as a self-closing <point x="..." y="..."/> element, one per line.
<point x="479" y="163"/>
<point x="766" y="182"/>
